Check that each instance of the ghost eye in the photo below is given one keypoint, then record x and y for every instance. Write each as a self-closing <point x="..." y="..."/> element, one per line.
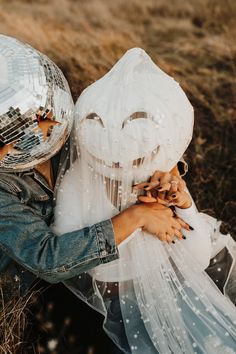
<point x="94" y="116"/>
<point x="135" y="115"/>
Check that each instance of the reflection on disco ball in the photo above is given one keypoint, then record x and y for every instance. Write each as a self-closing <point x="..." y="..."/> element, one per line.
<point x="36" y="107"/>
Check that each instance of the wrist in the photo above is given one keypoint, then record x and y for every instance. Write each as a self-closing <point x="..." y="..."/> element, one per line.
<point x="125" y="223"/>
<point x="137" y="215"/>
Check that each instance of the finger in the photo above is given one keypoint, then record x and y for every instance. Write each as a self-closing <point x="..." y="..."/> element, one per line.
<point x="162" y="201"/>
<point x="161" y="236"/>
<point x="165" y="178"/>
<point x="174" y="186"/>
<point x="170" y="231"/>
<point x="169" y="238"/>
<point x="174" y="183"/>
<point x="146" y="199"/>
<point x="178" y="234"/>
<point x="176" y="224"/>
<point x="152" y="185"/>
<point x="181" y="185"/>
<point x="141" y="185"/>
<point x="155" y="177"/>
<point x="179" y="199"/>
<point x="173" y="189"/>
<point x="177" y="184"/>
<point x="183" y="224"/>
<point x="164" y="187"/>
<point x="162" y="196"/>
<point x="152" y="197"/>
<point x="175" y="197"/>
<point x="179" y="180"/>
<point x="175" y="171"/>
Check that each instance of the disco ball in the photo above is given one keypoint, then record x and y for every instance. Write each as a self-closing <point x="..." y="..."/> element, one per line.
<point x="36" y="107"/>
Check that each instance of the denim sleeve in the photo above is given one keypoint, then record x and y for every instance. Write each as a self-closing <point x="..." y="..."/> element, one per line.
<point x="26" y="238"/>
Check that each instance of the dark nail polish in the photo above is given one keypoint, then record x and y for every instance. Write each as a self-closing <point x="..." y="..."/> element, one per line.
<point x="184" y="237"/>
<point x="191" y="228"/>
<point x="173" y="241"/>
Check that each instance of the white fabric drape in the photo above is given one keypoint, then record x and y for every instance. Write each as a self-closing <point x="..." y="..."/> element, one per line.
<point x="156" y="298"/>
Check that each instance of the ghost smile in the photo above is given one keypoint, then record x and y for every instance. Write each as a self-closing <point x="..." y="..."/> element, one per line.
<point x="135" y="163"/>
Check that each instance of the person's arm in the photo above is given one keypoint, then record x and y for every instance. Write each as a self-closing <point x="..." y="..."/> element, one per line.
<point x="26" y="238"/>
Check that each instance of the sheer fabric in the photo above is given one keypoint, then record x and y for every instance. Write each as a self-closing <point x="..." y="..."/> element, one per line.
<point x="156" y="298"/>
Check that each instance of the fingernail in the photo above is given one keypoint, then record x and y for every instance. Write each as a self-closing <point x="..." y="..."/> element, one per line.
<point x="184" y="237"/>
<point x="191" y="228"/>
<point x="173" y="241"/>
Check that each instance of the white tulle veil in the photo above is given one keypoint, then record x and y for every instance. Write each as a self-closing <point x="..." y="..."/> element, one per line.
<point x="156" y="298"/>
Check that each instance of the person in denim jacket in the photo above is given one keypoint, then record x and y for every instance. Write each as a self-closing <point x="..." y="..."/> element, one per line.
<point x="36" y="116"/>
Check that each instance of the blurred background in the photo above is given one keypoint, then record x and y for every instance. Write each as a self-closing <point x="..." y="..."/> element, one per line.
<point x="194" y="41"/>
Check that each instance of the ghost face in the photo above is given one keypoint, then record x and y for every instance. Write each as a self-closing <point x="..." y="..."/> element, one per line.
<point x="130" y="145"/>
<point x="129" y="127"/>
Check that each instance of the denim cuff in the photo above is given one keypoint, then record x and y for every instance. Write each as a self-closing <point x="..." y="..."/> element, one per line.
<point x="107" y="248"/>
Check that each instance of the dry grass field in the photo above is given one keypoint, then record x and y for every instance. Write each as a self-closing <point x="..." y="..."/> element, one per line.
<point x="194" y="41"/>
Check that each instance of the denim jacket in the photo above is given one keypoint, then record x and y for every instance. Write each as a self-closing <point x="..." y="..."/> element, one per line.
<point x="28" y="246"/>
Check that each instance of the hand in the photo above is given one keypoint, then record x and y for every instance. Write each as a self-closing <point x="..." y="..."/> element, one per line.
<point x="161" y="221"/>
<point x="167" y="188"/>
<point x="180" y="199"/>
<point x="151" y="217"/>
